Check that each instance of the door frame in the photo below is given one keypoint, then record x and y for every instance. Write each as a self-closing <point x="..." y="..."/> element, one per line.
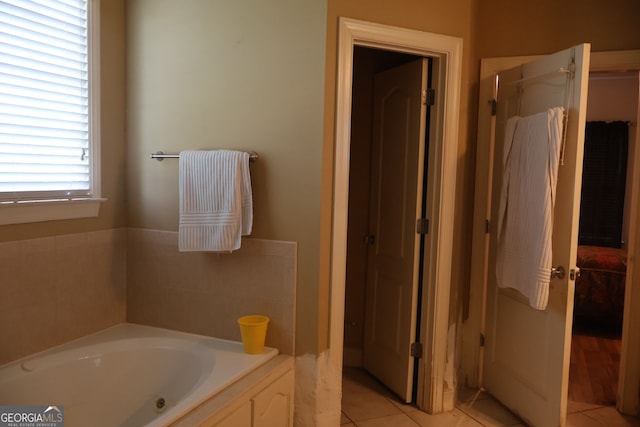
<point x="474" y="325"/>
<point x="435" y="370"/>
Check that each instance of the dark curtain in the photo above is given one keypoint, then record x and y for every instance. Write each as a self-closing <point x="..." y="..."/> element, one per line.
<point x="603" y="184"/>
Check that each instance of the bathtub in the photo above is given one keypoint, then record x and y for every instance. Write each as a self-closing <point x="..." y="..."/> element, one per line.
<point x="128" y="375"/>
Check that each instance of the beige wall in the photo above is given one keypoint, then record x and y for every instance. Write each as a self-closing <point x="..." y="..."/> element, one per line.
<point x="512" y="28"/>
<point x="613" y="96"/>
<point x="112" y="117"/>
<point x="240" y="75"/>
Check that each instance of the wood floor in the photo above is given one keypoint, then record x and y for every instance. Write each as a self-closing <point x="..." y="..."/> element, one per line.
<point x="593" y="373"/>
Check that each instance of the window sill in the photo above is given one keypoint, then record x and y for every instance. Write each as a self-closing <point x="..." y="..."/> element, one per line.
<point x="48" y="210"/>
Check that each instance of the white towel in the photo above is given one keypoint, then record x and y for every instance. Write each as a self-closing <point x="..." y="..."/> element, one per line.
<point x="525" y="219"/>
<point x="216" y="205"/>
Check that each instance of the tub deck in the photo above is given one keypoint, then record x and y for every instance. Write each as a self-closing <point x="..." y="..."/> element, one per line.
<point x="130" y="375"/>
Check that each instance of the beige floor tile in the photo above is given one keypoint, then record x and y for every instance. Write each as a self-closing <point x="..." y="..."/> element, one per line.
<point x="404" y="407"/>
<point x="466" y="394"/>
<point x="455" y="418"/>
<point x="489" y="413"/>
<point x="356" y="380"/>
<point x="367" y="405"/>
<point x="399" y="420"/>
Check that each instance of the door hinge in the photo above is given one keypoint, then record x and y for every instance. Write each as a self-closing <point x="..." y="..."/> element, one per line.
<point x="429" y="97"/>
<point x="487" y="226"/>
<point x="422" y="226"/>
<point x="416" y="349"/>
<point x="481" y="340"/>
<point x="494" y="106"/>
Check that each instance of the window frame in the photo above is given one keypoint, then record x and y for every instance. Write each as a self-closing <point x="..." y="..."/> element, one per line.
<point x="29" y="210"/>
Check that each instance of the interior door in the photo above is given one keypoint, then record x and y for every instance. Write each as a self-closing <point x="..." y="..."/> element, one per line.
<point x="527" y="350"/>
<point x="396" y="203"/>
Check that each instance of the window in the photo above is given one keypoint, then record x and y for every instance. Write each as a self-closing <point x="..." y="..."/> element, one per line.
<point x="49" y="136"/>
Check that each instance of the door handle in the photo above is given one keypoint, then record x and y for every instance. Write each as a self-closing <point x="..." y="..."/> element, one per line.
<point x="558" y="272"/>
<point x="574" y="274"/>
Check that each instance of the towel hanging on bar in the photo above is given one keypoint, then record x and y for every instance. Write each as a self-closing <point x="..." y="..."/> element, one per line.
<point x="216" y="206"/>
<point x="525" y="217"/>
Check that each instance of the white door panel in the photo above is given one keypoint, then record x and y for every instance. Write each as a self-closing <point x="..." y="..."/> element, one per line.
<point x="527" y="350"/>
<point x="396" y="202"/>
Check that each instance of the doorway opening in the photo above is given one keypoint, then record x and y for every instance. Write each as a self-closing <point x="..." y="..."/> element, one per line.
<point x="605" y="224"/>
<point x="434" y="394"/>
<point x="372" y="67"/>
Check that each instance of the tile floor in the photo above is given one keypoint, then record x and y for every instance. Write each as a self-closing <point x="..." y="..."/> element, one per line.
<point x="367" y="403"/>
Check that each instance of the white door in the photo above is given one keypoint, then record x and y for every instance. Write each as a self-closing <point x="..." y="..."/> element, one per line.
<point x="396" y="204"/>
<point x="527" y="350"/>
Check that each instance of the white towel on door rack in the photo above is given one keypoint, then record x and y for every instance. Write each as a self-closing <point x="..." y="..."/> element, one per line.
<point x="525" y="219"/>
<point x="216" y="205"/>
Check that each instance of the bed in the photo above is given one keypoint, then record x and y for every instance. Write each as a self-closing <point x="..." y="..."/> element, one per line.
<point x="599" y="296"/>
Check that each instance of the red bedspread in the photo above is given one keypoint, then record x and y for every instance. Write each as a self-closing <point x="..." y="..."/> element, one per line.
<point x="599" y="297"/>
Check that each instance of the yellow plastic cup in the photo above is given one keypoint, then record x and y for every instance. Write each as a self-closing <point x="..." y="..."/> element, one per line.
<point x="253" y="330"/>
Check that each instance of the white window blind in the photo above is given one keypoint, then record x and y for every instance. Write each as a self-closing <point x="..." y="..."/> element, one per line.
<point x="44" y="100"/>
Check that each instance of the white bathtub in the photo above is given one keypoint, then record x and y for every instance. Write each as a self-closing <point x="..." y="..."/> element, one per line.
<point x="128" y="375"/>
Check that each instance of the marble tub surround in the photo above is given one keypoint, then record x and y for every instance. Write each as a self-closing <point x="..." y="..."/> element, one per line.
<point x="205" y="293"/>
<point x="56" y="289"/>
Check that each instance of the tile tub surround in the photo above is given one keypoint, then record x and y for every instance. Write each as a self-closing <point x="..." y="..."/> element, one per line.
<point x="56" y="289"/>
<point x="205" y="293"/>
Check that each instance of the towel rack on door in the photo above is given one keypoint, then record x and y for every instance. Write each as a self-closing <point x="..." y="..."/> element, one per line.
<point x="569" y="71"/>
<point x="561" y="70"/>
<point x="160" y="156"/>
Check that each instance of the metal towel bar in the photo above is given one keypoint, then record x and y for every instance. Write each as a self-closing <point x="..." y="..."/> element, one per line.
<point x="160" y="156"/>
